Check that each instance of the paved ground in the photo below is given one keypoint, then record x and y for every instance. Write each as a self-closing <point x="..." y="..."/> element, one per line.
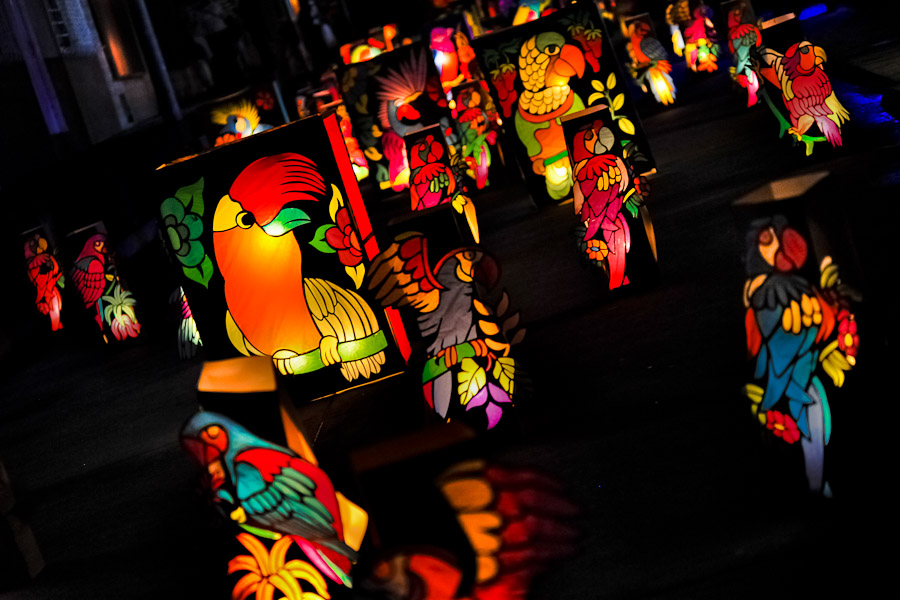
<point x="635" y="406"/>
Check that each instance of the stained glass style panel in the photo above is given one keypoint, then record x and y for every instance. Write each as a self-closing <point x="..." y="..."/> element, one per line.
<point x="649" y="62"/>
<point x="45" y="274"/>
<point x="274" y="243"/>
<point x="540" y="72"/>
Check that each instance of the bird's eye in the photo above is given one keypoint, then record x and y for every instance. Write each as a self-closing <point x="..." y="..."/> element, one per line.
<point x="213" y="431"/>
<point x="804" y="49"/>
<point x="245" y="220"/>
<point x="552" y="49"/>
<point x="765" y="237"/>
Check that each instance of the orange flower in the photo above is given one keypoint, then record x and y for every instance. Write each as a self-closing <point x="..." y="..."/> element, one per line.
<point x="268" y="572"/>
<point x="597" y="249"/>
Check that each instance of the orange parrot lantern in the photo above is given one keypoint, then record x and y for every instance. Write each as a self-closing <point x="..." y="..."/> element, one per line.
<point x="543" y="72"/>
<point x="274" y="242"/>
<point x="45" y="274"/>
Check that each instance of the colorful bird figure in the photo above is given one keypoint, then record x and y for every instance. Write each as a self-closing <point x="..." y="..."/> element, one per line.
<point x="650" y="63"/>
<point x="466" y="354"/>
<point x="700" y="48"/>
<point x="445" y="57"/>
<point x="434" y="181"/>
<point x="270" y="491"/>
<point x="188" y="335"/>
<point x="47" y="278"/>
<point x="477" y="136"/>
<point x="239" y="120"/>
<point x="603" y="180"/>
<point x="303" y="323"/>
<point x="546" y="63"/>
<point x="401" y="95"/>
<point x="90" y="276"/>
<point x="743" y="37"/>
<point x="790" y="323"/>
<point x="806" y="90"/>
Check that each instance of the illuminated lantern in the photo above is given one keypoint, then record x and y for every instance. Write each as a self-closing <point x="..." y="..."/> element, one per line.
<point x="45" y="275"/>
<point x="387" y="98"/>
<point x="615" y="233"/>
<point x="436" y="176"/>
<point x="541" y="71"/>
<point x="274" y="243"/>
<point x="276" y="493"/>
<point x="247" y="113"/>
<point x="481" y="515"/>
<point x="454" y="57"/>
<point x="793" y="68"/>
<point x="649" y="66"/>
<point x="678" y="15"/>
<point x="478" y="123"/>
<point x="743" y="39"/>
<point x="802" y="333"/>
<point x="378" y="42"/>
<point x="469" y="373"/>
<point x="700" y="48"/>
<point x="105" y="297"/>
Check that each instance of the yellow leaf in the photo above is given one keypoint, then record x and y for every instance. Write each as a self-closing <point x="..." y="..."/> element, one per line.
<point x="469" y="494"/>
<point x="597" y="85"/>
<point x="626" y="126"/>
<point x="618" y="102"/>
<point x="611" y="81"/>
<point x="488" y="327"/>
<point x="594" y="97"/>
<point x="337" y="201"/>
<point x="356" y="274"/>
<point x="505" y="372"/>
<point x="481" y="308"/>
<point x="471" y="379"/>
<point x="478" y="528"/>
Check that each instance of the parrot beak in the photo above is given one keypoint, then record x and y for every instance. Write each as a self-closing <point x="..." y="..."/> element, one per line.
<point x="227" y="212"/>
<point x="820" y="55"/>
<point x="570" y="62"/>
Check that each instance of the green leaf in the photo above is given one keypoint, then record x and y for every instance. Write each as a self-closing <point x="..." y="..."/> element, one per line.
<point x="611" y="81"/>
<point x="471" y="379"/>
<point x="597" y="85"/>
<point x="618" y="102"/>
<point x="202" y="273"/>
<point x="319" y="243"/>
<point x="191" y="197"/>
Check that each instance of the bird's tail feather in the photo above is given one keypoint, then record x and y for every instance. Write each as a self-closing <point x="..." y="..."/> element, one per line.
<point x="363" y="367"/>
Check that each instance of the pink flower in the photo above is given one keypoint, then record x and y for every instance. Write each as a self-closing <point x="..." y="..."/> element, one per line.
<point x="342" y="237"/>
<point x="123" y="327"/>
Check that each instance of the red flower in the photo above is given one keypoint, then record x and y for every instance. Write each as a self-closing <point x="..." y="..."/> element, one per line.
<point x="847" y="336"/>
<point x="641" y="185"/>
<point x="782" y="426"/>
<point x="124" y="327"/>
<point x="342" y="237"/>
<point x="265" y="100"/>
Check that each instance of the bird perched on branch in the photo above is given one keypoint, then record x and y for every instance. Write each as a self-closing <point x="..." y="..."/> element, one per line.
<point x="650" y="63"/>
<point x="743" y="37"/>
<point x="806" y="90"/>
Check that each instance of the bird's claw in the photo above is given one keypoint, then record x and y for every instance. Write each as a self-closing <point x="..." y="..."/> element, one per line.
<point x="328" y="350"/>
<point x="449" y="355"/>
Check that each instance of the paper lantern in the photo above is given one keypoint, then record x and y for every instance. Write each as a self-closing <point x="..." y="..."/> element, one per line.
<point x="701" y="50"/>
<point x="615" y="232"/>
<point x="377" y="43"/>
<point x="449" y="40"/>
<point x="436" y="176"/>
<point x="45" y="275"/>
<point x="743" y="38"/>
<point x="387" y="98"/>
<point x="105" y="296"/>
<point x="275" y="493"/>
<point x="797" y="75"/>
<point x="649" y="66"/>
<point x="468" y="372"/>
<point x="546" y="69"/>
<point x="802" y="333"/>
<point x="481" y="515"/>
<point x="274" y="241"/>
<point x="478" y="123"/>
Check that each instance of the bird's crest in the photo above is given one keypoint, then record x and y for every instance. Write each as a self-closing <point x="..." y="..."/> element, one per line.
<point x="407" y="79"/>
<point x="242" y="109"/>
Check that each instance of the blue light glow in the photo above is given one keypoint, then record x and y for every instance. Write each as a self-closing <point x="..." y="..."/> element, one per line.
<point x="812" y="11"/>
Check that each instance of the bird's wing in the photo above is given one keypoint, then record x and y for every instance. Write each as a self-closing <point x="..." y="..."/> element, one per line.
<point x="279" y="497"/>
<point x="811" y="92"/>
<point x="653" y="49"/>
<point x="338" y="312"/>
<point x="839" y="114"/>
<point x="89" y="277"/>
<point x="401" y="275"/>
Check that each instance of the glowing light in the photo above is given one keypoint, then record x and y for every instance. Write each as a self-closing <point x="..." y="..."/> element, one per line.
<point x="812" y="11"/>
